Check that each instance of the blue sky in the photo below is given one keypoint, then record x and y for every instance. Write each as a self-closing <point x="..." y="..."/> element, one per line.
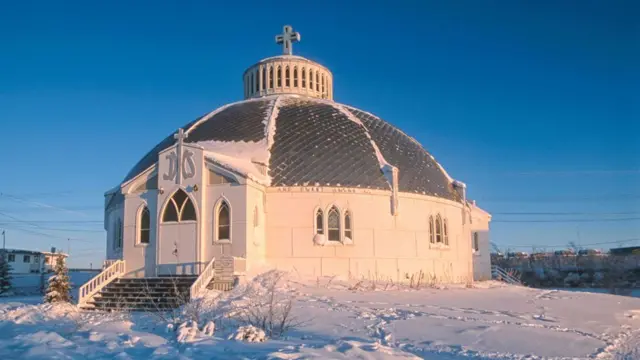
<point x="534" y="104"/>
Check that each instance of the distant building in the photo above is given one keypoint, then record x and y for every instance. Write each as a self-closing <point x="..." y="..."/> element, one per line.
<point x="631" y="250"/>
<point x="30" y="261"/>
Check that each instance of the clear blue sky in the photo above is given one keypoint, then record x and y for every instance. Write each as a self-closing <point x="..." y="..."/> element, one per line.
<point x="534" y="104"/>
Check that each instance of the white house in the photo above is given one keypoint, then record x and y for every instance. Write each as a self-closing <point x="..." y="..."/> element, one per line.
<point x="30" y="261"/>
<point x="292" y="179"/>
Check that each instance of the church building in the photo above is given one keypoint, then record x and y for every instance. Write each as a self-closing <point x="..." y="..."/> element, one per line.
<point x="288" y="178"/>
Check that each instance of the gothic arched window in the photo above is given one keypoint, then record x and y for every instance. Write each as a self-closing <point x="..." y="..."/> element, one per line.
<point x="223" y="222"/>
<point x="432" y="238"/>
<point x="144" y="226"/>
<point x="445" y="232"/>
<point x="348" y="233"/>
<point x="270" y="77"/>
<point x="295" y="77"/>
<point x="287" y="82"/>
<point x="251" y="84"/>
<point x="310" y="79"/>
<point x="317" y="81"/>
<point x="257" y="79"/>
<point x="476" y="242"/>
<point x="319" y="222"/>
<point x="304" y="78"/>
<point x="323" y="83"/>
<point x="279" y="76"/>
<point x="333" y="225"/>
<point x="438" y="229"/>
<point x="179" y="208"/>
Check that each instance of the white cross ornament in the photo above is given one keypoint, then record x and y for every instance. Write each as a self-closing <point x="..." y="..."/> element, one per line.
<point x="287" y="38"/>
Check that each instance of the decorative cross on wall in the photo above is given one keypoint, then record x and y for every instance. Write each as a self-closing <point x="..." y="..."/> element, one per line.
<point x="287" y="38"/>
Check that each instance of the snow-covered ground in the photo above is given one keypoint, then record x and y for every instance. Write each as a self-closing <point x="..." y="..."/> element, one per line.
<point x="343" y="321"/>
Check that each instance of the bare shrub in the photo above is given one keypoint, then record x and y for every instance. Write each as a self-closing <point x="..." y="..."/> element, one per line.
<point x="268" y="309"/>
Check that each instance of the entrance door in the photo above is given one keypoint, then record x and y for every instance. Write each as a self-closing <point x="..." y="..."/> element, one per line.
<point x="178" y="237"/>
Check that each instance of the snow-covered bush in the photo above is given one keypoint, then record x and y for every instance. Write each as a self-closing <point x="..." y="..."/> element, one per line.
<point x="59" y="286"/>
<point x="267" y="308"/>
<point x="209" y="328"/>
<point x="249" y="333"/>
<point x="5" y="275"/>
<point x="187" y="331"/>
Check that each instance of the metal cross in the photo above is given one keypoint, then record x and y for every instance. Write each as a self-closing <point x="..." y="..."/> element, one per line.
<point x="287" y="37"/>
<point x="180" y="136"/>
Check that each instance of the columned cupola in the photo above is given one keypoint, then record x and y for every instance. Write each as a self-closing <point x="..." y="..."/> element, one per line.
<point x="288" y="73"/>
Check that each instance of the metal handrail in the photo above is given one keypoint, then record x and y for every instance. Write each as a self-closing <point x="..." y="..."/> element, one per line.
<point x="203" y="279"/>
<point x="497" y="271"/>
<point x="93" y="286"/>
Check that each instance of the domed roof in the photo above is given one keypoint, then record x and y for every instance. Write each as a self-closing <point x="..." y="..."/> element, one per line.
<point x="295" y="140"/>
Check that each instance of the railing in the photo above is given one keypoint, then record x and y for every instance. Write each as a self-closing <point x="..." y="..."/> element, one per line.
<point x="107" y="263"/>
<point x="93" y="286"/>
<point x="203" y="279"/>
<point x="499" y="273"/>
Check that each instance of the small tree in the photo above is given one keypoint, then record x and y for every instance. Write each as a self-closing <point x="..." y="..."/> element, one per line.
<point x="5" y="274"/>
<point x="59" y="286"/>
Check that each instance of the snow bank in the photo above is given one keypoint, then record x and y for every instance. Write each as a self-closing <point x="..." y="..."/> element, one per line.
<point x="490" y="321"/>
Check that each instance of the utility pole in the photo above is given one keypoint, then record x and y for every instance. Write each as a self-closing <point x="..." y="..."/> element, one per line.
<point x="68" y="246"/>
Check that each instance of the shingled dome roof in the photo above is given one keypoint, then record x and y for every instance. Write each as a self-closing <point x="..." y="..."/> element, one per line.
<point x="305" y="141"/>
<point x="289" y="132"/>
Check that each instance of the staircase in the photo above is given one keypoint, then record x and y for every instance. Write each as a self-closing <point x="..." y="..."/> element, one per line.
<point x="142" y="294"/>
<point x="500" y="274"/>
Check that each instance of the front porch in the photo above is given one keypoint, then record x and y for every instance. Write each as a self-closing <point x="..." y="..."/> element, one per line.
<point x="112" y="290"/>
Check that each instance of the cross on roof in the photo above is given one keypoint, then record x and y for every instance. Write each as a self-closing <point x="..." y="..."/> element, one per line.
<point x="287" y="37"/>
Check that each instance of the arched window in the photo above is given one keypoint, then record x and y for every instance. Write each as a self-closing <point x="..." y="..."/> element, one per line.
<point x="179" y="208"/>
<point x="310" y="79"/>
<point x="270" y="77"/>
<point x="279" y="76"/>
<point x="251" y="84"/>
<point x="304" y="78"/>
<point x="117" y="234"/>
<point x="223" y="223"/>
<point x="287" y="82"/>
<point x="256" y="217"/>
<point x="445" y="232"/>
<point x="319" y="222"/>
<point x="257" y="79"/>
<point x="333" y="225"/>
<point x="295" y="77"/>
<point x="323" y="83"/>
<point x="348" y="233"/>
<point x="476" y="242"/>
<point x="438" y="229"/>
<point x="144" y="226"/>
<point x="432" y="238"/>
<point x="317" y="81"/>
<point x="264" y="78"/>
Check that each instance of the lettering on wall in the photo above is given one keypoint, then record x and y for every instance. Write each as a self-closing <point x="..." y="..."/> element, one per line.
<point x="187" y="165"/>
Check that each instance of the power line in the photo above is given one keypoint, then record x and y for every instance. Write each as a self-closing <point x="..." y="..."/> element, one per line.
<point x="48" y="235"/>
<point x="565" y="220"/>
<point x="66" y="229"/>
<point x="38" y="204"/>
<point x="55" y="221"/>
<point x="565" y="245"/>
<point x="566" y="213"/>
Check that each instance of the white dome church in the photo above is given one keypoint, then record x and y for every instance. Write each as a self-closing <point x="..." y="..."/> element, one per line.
<point x="291" y="179"/>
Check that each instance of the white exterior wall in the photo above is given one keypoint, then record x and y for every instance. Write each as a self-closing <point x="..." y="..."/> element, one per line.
<point x="482" y="257"/>
<point x="384" y="246"/>
<point x="20" y="267"/>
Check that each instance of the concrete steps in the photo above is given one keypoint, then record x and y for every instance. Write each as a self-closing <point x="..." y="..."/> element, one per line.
<point x="143" y="294"/>
<point x="151" y="294"/>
